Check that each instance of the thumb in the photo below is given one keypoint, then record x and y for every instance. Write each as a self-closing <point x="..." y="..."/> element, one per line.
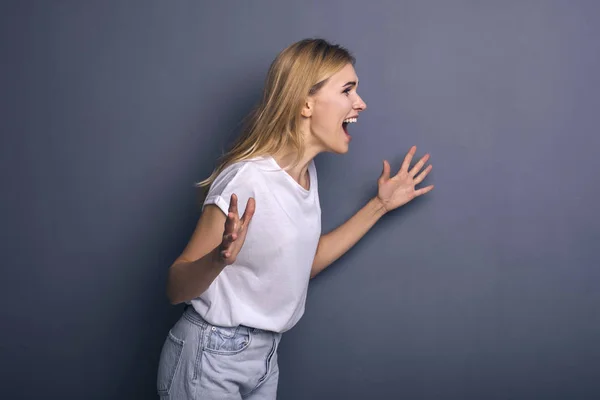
<point x="385" y="174"/>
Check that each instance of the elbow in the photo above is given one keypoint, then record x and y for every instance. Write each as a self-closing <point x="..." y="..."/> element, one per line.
<point x="181" y="287"/>
<point x="172" y="296"/>
<point x="178" y="294"/>
<point x="172" y="292"/>
<point x="173" y="300"/>
<point x="176" y="298"/>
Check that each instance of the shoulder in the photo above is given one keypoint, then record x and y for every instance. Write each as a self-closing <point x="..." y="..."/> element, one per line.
<point x="242" y="172"/>
<point x="229" y="175"/>
<point x="240" y="178"/>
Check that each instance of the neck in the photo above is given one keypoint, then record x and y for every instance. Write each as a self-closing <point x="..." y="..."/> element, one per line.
<point x="298" y="172"/>
<point x="286" y="158"/>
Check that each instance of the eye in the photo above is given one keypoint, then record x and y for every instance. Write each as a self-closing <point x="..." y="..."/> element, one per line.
<point x="347" y="91"/>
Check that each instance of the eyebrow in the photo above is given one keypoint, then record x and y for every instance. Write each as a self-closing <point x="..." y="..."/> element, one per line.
<point x="351" y="83"/>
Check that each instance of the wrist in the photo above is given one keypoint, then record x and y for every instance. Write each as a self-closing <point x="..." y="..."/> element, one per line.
<point x="378" y="206"/>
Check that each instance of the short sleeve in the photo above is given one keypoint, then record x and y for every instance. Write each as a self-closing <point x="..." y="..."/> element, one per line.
<point x="233" y="179"/>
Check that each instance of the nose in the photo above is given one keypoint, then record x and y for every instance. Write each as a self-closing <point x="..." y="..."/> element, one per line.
<point x="359" y="104"/>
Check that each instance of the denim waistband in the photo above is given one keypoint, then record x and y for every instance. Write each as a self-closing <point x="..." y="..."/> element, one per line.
<point x="192" y="315"/>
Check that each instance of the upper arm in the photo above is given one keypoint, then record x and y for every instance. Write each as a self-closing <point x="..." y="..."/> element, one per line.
<point x="207" y="235"/>
<point x="211" y="224"/>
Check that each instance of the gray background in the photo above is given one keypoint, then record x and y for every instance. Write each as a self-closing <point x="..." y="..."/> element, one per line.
<point x="487" y="288"/>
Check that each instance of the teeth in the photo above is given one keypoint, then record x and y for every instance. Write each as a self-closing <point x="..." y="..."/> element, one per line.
<point x="350" y="120"/>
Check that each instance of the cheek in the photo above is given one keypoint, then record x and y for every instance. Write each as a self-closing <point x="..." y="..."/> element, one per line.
<point x="331" y="112"/>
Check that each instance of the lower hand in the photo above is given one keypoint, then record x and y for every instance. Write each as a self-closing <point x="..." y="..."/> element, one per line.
<point x="235" y="230"/>
<point x="400" y="189"/>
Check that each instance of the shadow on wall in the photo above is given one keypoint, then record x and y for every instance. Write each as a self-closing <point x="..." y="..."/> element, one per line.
<point x="227" y="114"/>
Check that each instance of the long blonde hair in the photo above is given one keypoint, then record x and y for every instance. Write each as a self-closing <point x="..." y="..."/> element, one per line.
<point x="300" y="70"/>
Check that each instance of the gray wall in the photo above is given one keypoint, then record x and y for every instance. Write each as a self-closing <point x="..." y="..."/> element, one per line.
<point x="488" y="288"/>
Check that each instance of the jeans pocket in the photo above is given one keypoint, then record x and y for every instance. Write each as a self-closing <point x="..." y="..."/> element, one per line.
<point x="170" y="358"/>
<point x="225" y="341"/>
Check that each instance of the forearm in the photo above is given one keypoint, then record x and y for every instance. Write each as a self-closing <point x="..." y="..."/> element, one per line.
<point x="188" y="280"/>
<point x="337" y="242"/>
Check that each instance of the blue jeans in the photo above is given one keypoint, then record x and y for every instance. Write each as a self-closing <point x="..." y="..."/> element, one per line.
<point x="202" y="361"/>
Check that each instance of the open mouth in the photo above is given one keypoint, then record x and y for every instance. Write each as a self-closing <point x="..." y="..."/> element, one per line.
<point x="347" y="122"/>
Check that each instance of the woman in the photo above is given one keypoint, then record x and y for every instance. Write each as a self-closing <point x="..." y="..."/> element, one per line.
<point x="245" y="271"/>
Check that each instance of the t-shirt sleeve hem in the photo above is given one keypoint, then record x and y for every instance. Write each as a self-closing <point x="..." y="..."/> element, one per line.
<point x="219" y="201"/>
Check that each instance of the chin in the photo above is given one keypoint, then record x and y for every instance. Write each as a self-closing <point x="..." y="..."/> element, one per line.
<point x="336" y="145"/>
<point x="341" y="149"/>
<point x="344" y="150"/>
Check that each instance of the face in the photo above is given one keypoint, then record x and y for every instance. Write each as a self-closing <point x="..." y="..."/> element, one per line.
<point x="333" y="110"/>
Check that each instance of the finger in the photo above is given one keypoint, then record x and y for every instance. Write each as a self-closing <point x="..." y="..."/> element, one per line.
<point x="233" y="204"/>
<point x="248" y="212"/>
<point x="225" y="242"/>
<point x="226" y="254"/>
<point x="424" y="190"/>
<point x="408" y="159"/>
<point x="230" y="223"/>
<point x="385" y="173"/>
<point x="229" y="238"/>
<point x="423" y="174"/>
<point x="419" y="165"/>
<point x="225" y="248"/>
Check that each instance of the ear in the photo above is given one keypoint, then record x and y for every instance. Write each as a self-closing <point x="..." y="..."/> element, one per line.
<point x="308" y="107"/>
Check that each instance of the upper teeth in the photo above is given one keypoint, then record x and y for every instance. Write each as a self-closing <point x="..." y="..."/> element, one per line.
<point x="350" y="120"/>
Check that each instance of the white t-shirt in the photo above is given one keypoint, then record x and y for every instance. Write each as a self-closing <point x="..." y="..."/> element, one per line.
<point x="266" y="286"/>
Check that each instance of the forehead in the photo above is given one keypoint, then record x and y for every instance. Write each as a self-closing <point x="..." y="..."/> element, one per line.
<point x="343" y="76"/>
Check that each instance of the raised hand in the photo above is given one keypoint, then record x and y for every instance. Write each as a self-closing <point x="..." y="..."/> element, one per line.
<point x="400" y="189"/>
<point x="235" y="230"/>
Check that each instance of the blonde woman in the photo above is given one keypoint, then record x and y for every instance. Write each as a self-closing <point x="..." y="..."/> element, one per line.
<point x="245" y="271"/>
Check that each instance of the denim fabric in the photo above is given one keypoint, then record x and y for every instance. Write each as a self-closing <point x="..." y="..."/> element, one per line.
<point x="202" y="361"/>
